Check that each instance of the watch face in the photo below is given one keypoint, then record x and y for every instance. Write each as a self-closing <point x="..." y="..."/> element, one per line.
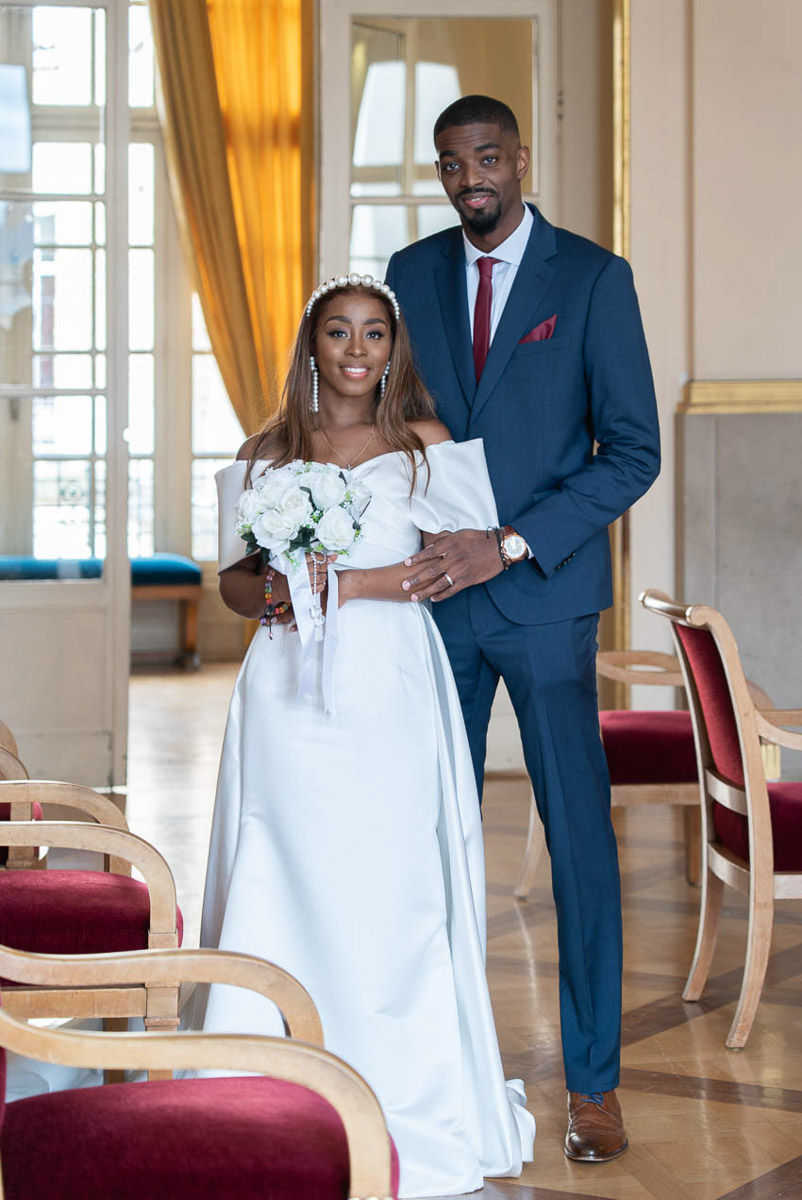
<point x="515" y="546"/>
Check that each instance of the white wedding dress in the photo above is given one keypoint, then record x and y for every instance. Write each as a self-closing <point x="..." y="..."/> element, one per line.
<point x="347" y="846"/>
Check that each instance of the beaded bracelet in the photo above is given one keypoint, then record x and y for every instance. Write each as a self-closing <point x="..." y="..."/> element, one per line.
<point x="272" y="610"/>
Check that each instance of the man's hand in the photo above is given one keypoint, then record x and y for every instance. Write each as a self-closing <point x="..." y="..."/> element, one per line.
<point x="451" y="562"/>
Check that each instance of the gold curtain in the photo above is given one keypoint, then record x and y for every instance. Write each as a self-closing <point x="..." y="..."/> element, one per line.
<point x="238" y="106"/>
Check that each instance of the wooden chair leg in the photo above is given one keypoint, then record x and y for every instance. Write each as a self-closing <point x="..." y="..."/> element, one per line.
<point x="709" y="913"/>
<point x="692" y="828"/>
<point x="190" y="624"/>
<point x="758" y="946"/>
<point x="535" y="845"/>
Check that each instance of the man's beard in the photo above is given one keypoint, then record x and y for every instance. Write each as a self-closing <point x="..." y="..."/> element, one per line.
<point x="481" y="222"/>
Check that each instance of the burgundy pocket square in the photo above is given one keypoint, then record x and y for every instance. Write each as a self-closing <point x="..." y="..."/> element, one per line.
<point x="541" y="332"/>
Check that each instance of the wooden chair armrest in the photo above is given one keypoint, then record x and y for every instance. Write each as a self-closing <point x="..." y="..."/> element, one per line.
<point x="770" y="724"/>
<point x="631" y="666"/>
<point x="69" y="795"/>
<point x="280" y="1058"/>
<point x="7" y="739"/>
<point x="168" y="967"/>
<point x="11" y="767"/>
<point x="121" y="846"/>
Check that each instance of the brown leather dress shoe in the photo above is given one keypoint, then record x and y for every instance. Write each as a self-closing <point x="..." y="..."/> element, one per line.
<point x="595" y="1127"/>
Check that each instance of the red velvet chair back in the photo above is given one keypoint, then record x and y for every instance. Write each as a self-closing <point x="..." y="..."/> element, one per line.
<point x="710" y="680"/>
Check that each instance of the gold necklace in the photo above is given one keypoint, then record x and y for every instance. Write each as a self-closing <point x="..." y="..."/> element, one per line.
<point x="337" y="453"/>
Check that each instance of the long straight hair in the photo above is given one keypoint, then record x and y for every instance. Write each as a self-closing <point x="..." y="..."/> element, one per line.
<point x="289" y="433"/>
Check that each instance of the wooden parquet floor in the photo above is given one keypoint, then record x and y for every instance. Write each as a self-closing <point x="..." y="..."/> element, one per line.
<point x="704" y="1122"/>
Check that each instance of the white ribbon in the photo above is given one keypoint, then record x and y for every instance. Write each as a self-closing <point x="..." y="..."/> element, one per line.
<point x="303" y="602"/>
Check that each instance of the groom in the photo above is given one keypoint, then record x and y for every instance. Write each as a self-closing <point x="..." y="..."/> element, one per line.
<point x="530" y="338"/>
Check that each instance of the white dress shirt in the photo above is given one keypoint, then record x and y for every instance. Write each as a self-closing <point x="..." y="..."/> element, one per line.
<point x="509" y="254"/>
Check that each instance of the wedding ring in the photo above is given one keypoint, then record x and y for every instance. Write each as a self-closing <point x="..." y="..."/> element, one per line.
<point x="448" y="577"/>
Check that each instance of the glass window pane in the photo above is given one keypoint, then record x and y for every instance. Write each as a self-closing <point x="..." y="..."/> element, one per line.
<point x="62" y="223"/>
<point x="215" y="428"/>
<point x="62" y="425"/>
<point x="140" y="57"/>
<point x="140" y="193"/>
<point x="204" y="507"/>
<point x="100" y="370"/>
<point x="140" y="507"/>
<point x="436" y="86"/>
<point x="141" y="299"/>
<point x="378" y="99"/>
<point x="62" y="370"/>
<point x="100" y="299"/>
<point x="62" y="299"/>
<point x="434" y="217"/>
<point x="63" y="504"/>
<point x="62" y="167"/>
<point x="62" y="55"/>
<point x="16" y="250"/>
<point x="140" y="403"/>
<point x="375" y="234"/>
<point x="100" y="510"/>
<point x="100" y="223"/>
<point x="200" y="337"/>
<point x="100" y="57"/>
<point x="100" y="169"/>
<point x="15" y="129"/>
<point x="100" y="425"/>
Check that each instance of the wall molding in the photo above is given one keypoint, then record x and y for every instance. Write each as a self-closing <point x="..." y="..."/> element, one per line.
<point x="741" y="396"/>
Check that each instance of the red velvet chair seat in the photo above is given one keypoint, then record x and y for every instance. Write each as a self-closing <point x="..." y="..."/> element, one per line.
<point x="5" y="815"/>
<point x="74" y="912"/>
<point x="648" y="747"/>
<point x="195" y="1138"/>
<point x="785" y="803"/>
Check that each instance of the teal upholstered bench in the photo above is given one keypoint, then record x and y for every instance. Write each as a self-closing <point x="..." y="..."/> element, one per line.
<point x="160" y="577"/>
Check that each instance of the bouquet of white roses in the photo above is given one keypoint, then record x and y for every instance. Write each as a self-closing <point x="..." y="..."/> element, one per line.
<point x="302" y="507"/>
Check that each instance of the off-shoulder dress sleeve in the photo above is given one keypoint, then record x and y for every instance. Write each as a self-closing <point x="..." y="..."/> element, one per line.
<point x="230" y="486"/>
<point x="455" y="492"/>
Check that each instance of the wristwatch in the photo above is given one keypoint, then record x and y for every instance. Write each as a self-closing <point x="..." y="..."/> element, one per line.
<point x="511" y="546"/>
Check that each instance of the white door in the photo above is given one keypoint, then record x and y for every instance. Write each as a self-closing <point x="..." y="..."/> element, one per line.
<point x="64" y="571"/>
<point x="384" y="79"/>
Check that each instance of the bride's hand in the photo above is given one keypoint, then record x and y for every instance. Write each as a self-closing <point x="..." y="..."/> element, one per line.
<point x="317" y="576"/>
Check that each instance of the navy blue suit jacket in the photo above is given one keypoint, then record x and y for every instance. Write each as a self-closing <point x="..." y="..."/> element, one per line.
<point x="542" y="406"/>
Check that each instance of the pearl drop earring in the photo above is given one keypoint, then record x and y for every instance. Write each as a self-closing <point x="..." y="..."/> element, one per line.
<point x="314" y="404"/>
<point x="383" y="382"/>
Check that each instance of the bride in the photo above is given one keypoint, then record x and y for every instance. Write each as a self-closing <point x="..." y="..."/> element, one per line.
<point x="346" y="843"/>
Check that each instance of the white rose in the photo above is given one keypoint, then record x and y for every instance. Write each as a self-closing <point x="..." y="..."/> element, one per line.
<point x="360" y="498"/>
<point x="249" y="506"/>
<point x="272" y="486"/>
<point x="274" y="530"/>
<point x="328" y="489"/>
<point x="305" y="478"/>
<point x="296" y="504"/>
<point x="335" y="531"/>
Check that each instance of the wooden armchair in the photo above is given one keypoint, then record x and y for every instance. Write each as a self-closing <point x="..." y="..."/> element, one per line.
<point x="751" y="828"/>
<point x="7" y="739"/>
<point x="83" y="912"/>
<point x="308" y="1126"/>
<point x="650" y="755"/>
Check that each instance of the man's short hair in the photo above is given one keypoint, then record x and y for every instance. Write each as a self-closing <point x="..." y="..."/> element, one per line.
<point x="477" y="110"/>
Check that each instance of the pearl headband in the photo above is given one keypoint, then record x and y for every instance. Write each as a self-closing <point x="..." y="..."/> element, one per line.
<point x="353" y="280"/>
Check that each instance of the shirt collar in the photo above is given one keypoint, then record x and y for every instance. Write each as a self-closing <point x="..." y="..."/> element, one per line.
<point x="511" y="249"/>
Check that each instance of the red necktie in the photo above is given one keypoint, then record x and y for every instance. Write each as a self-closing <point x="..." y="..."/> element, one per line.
<point x="481" y="313"/>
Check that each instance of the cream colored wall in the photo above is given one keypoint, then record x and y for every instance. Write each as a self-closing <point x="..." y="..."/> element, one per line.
<point x="716" y="99"/>
<point x="747" y="304"/>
